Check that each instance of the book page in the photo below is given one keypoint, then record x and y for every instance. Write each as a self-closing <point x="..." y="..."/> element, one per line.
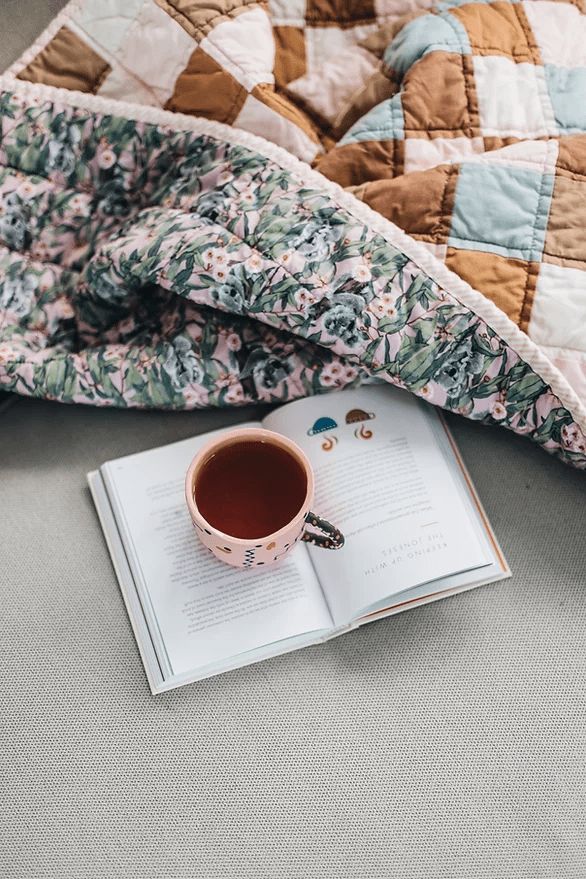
<point x="384" y="480"/>
<point x="200" y="610"/>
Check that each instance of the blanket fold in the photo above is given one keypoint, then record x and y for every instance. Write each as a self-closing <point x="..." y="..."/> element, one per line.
<point x="149" y="258"/>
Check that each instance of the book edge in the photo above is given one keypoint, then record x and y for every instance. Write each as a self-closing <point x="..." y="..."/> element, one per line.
<point x="111" y="532"/>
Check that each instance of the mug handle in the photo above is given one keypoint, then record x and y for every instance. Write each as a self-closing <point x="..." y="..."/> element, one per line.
<point x="331" y="538"/>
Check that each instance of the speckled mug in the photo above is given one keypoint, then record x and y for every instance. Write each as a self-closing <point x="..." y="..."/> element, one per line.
<point x="254" y="552"/>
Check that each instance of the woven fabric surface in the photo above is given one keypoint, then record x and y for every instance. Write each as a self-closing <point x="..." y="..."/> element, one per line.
<point x="446" y="742"/>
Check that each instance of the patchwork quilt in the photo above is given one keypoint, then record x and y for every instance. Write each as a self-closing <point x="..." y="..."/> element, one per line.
<point x="215" y="202"/>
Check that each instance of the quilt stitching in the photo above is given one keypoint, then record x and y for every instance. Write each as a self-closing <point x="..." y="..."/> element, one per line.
<point x="171" y="9"/>
<point x="541" y="208"/>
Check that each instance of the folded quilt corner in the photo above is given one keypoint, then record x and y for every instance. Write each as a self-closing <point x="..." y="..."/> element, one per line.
<point x="156" y="258"/>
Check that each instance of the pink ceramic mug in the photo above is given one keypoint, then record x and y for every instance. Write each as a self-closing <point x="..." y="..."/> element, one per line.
<point x="265" y="550"/>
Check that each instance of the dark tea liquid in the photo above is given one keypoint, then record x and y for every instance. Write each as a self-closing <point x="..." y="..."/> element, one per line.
<point x="250" y="489"/>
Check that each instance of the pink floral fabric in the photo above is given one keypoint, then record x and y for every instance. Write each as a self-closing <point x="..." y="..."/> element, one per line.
<point x="143" y="266"/>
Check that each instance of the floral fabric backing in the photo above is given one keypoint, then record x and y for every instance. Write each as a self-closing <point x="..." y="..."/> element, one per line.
<point x="149" y="265"/>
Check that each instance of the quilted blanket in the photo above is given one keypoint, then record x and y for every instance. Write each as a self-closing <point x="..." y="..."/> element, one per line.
<point x="165" y="242"/>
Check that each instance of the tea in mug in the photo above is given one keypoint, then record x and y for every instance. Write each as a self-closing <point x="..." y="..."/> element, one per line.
<point x="250" y="488"/>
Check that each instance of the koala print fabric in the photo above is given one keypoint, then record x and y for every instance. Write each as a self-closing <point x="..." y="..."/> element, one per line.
<point x="154" y="259"/>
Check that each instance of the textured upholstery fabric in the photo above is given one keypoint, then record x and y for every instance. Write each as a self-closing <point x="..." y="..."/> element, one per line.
<point x="447" y="742"/>
<point x="22" y="22"/>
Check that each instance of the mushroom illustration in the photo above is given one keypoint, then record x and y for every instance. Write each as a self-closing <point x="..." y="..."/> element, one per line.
<point x="357" y="416"/>
<point x="321" y="425"/>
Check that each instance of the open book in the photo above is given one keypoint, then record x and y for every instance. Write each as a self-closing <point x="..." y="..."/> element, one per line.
<point x="389" y="476"/>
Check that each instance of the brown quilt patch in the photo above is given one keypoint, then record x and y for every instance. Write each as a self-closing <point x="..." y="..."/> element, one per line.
<point x="435" y="97"/>
<point x="204" y="88"/>
<point x="290" y="60"/>
<point x="503" y="279"/>
<point x="67" y="62"/>
<point x="198" y="18"/>
<point x="498" y="29"/>
<point x="565" y="239"/>
<point x="354" y="163"/>
<point x="419" y="203"/>
<point x="496" y="143"/>
<point x="342" y="13"/>
<point x="530" y="290"/>
<point x="572" y="156"/>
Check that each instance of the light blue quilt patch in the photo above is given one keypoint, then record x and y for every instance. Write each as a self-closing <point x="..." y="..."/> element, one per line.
<point x="501" y="209"/>
<point x="428" y="33"/>
<point x="383" y="122"/>
<point x="564" y="84"/>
